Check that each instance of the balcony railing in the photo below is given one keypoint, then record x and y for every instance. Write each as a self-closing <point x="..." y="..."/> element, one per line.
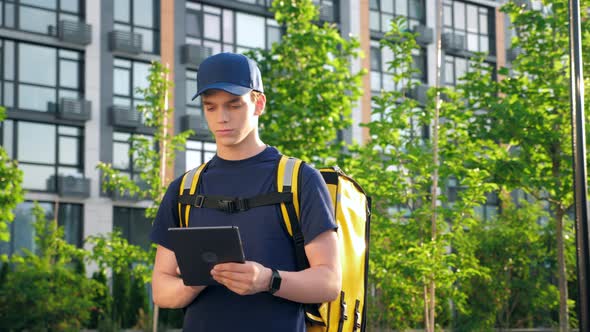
<point x="513" y="53"/>
<point x="74" y="32"/>
<point x="425" y="34"/>
<point x="193" y="55"/>
<point x="74" y="109"/>
<point x="126" y="42"/>
<point x="125" y="117"/>
<point x="419" y="93"/>
<point x="327" y="13"/>
<point x="197" y="124"/>
<point x="453" y="42"/>
<point x="126" y="195"/>
<point x="69" y="186"/>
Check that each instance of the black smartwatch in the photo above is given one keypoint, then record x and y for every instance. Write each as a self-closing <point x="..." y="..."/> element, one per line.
<point x="275" y="282"/>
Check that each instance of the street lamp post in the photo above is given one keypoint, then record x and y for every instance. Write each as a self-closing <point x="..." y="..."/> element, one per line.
<point x="579" y="152"/>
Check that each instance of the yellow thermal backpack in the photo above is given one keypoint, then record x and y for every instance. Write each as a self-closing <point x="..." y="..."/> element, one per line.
<point x="352" y="211"/>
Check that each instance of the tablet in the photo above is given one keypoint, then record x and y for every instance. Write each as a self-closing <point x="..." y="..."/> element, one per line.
<point x="198" y="249"/>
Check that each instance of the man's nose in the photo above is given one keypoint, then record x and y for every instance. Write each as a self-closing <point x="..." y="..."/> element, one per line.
<point x="223" y="115"/>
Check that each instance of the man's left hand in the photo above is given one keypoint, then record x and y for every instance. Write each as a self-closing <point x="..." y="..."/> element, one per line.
<point x="243" y="278"/>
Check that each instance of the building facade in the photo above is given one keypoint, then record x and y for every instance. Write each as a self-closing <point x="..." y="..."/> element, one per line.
<point x="69" y="69"/>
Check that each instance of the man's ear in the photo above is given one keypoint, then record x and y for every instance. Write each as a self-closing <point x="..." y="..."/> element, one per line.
<point x="260" y="104"/>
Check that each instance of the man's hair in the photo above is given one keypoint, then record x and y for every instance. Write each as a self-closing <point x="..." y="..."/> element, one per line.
<point x="254" y="95"/>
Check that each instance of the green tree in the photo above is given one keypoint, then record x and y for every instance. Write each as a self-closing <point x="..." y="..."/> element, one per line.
<point x="154" y="155"/>
<point x="44" y="289"/>
<point x="395" y="167"/>
<point x="517" y="249"/>
<point x="528" y="114"/>
<point x="11" y="192"/>
<point x="130" y="265"/>
<point x="308" y="83"/>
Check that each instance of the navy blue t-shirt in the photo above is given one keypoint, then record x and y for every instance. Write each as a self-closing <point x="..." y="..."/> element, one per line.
<point x="264" y="238"/>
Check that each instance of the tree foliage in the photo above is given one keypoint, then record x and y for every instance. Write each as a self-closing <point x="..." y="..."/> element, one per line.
<point x="44" y="289"/>
<point x="308" y="83"/>
<point x="395" y="167"/>
<point x="11" y="192"/>
<point x="517" y="248"/>
<point x="528" y="115"/>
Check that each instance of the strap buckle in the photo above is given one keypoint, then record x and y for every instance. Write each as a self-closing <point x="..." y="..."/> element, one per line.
<point x="343" y="315"/>
<point x="242" y="205"/>
<point x="227" y="205"/>
<point x="298" y="238"/>
<point x="199" y="200"/>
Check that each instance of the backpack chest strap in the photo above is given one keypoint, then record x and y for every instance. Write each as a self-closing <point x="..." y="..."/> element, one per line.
<point x="234" y="204"/>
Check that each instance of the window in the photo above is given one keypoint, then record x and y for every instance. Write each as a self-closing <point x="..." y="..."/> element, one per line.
<point x="122" y="160"/>
<point x="472" y="22"/>
<point x="194" y="107"/>
<point x="133" y="224"/>
<point x="198" y="152"/>
<point x="328" y="10"/>
<point x="490" y="209"/>
<point x="261" y="3"/>
<point x="39" y="16"/>
<point x="381" y="78"/>
<point x="454" y="68"/>
<point x="128" y="76"/>
<point x="53" y="150"/>
<point x="36" y="77"/>
<point x="382" y="13"/>
<point x="226" y="30"/>
<point x="141" y="17"/>
<point x="22" y="232"/>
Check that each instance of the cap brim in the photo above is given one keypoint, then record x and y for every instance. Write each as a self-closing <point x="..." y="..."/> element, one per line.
<point x="234" y="89"/>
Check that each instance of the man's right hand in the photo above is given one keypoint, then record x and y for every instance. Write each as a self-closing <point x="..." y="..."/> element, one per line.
<point x="168" y="289"/>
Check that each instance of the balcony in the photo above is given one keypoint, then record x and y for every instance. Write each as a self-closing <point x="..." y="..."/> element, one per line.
<point x="126" y="196"/>
<point x="327" y="13"/>
<point x="513" y="53"/>
<point x="419" y="93"/>
<point x="530" y="4"/>
<point x="74" y="32"/>
<point x="453" y="42"/>
<point x="193" y="55"/>
<point x="69" y="186"/>
<point x="424" y="34"/>
<point x="74" y="109"/>
<point x="123" y="116"/>
<point x="126" y="42"/>
<point x="197" y="124"/>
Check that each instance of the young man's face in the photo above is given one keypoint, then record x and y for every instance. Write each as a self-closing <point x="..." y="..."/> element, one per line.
<point x="232" y="119"/>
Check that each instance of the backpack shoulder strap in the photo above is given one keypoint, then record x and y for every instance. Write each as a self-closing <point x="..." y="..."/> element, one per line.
<point x="188" y="185"/>
<point x="287" y="181"/>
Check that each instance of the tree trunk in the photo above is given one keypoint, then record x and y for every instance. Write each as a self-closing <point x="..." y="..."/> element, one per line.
<point x="562" y="276"/>
<point x="426" y="311"/>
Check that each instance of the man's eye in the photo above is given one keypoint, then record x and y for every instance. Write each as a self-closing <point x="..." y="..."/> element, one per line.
<point x="235" y="105"/>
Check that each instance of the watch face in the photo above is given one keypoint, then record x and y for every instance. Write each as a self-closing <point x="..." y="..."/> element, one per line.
<point x="275" y="281"/>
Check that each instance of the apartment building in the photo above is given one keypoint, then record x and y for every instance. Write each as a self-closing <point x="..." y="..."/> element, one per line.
<point x="69" y="69"/>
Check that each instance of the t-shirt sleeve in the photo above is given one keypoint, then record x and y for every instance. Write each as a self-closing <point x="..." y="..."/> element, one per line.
<point x="317" y="209"/>
<point x="167" y="215"/>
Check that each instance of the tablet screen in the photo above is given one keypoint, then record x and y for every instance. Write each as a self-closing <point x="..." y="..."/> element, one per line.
<point x="199" y="249"/>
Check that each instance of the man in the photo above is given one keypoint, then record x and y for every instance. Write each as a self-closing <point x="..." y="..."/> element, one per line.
<point x="265" y="293"/>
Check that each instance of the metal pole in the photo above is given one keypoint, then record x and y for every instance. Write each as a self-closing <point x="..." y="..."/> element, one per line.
<point x="579" y="150"/>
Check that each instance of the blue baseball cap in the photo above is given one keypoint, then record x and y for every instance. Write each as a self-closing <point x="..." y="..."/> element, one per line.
<point x="230" y="72"/>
